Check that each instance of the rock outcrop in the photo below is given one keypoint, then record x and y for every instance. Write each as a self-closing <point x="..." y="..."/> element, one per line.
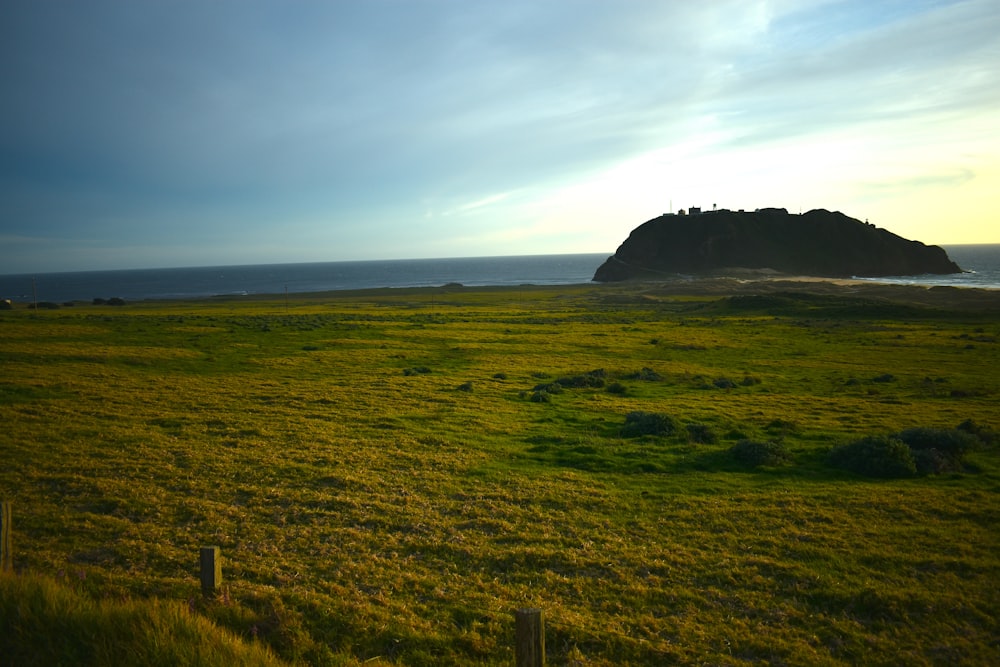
<point x="817" y="243"/>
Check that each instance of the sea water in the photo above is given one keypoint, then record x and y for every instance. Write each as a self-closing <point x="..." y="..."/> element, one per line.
<point x="980" y="263"/>
<point x="200" y="282"/>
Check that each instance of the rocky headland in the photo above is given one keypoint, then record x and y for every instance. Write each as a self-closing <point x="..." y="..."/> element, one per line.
<point x="817" y="243"/>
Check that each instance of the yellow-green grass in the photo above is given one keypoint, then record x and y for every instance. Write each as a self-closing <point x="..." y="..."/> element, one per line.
<point x="45" y="622"/>
<point x="382" y="484"/>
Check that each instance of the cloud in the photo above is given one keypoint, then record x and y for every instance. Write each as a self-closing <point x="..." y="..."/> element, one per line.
<point x="228" y="120"/>
<point x="950" y="178"/>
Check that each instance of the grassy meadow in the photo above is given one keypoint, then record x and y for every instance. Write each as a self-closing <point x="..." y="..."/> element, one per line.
<point x="390" y="473"/>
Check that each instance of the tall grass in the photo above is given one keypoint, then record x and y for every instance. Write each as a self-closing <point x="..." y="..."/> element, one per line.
<point x="43" y="622"/>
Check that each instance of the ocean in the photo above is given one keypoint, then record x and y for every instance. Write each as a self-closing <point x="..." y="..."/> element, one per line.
<point x="981" y="264"/>
<point x="200" y="282"/>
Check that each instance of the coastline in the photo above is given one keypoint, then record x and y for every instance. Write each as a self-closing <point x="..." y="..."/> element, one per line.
<point x="932" y="296"/>
<point x="721" y="286"/>
<point x="733" y="282"/>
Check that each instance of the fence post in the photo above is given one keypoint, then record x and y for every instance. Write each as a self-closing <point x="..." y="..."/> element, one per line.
<point x="211" y="570"/>
<point x="529" y="650"/>
<point x="6" y="554"/>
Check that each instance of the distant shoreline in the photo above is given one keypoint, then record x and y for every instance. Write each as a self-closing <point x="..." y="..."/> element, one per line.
<point x="938" y="297"/>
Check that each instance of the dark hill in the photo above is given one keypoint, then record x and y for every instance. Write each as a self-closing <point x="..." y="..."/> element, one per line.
<point x="817" y="243"/>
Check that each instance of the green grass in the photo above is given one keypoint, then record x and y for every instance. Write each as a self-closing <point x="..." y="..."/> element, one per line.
<point x="383" y="486"/>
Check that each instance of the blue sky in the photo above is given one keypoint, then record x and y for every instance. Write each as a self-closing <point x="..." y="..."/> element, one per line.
<point x="185" y="133"/>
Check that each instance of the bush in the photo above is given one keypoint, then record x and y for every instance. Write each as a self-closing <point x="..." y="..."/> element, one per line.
<point x="465" y="386"/>
<point x="938" y="450"/>
<point x="647" y="374"/>
<point x="754" y="453"/>
<point x="724" y="383"/>
<point x="641" y="423"/>
<point x="701" y="433"/>
<point x="932" y="462"/>
<point x="617" y="388"/>
<point x="594" y="378"/>
<point x="875" y="456"/>
<point x="984" y="434"/>
<point x="953" y="442"/>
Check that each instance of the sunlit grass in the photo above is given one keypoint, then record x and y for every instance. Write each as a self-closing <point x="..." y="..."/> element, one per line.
<point x="369" y="509"/>
<point x="49" y="622"/>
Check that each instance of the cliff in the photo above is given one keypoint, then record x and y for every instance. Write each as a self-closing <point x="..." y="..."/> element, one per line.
<point x="817" y="243"/>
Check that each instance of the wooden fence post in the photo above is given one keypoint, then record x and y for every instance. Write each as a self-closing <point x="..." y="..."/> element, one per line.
<point x="529" y="650"/>
<point x="211" y="570"/>
<point x="6" y="554"/>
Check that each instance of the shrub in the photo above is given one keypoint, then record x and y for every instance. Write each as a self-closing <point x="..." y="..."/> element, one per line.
<point x="617" y="388"/>
<point x="418" y="370"/>
<point x="724" y="383"/>
<point x="639" y="423"/>
<point x="938" y="450"/>
<point x="594" y="378"/>
<point x="465" y="386"/>
<point x="932" y="462"/>
<point x="540" y="396"/>
<point x="701" y="433"/>
<point x="984" y="434"/>
<point x="754" y="453"/>
<point x="875" y="456"/>
<point x="646" y="374"/>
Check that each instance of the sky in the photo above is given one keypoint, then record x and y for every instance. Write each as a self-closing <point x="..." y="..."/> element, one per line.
<point x="140" y="134"/>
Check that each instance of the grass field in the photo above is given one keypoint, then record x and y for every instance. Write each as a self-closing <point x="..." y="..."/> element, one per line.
<point x="389" y="474"/>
